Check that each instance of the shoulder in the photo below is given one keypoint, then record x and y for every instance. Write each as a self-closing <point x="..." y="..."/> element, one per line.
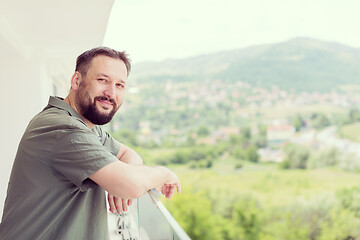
<point x="55" y="120"/>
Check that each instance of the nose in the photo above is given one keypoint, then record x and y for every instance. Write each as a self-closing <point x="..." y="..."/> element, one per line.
<point x="110" y="91"/>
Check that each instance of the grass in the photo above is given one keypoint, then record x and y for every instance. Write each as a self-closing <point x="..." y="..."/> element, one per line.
<point x="351" y="132"/>
<point x="270" y="186"/>
<point x="265" y="182"/>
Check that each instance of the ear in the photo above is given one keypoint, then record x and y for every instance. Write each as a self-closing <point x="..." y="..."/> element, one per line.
<point x="75" y="80"/>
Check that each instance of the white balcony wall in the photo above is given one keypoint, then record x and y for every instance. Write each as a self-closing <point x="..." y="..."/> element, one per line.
<point x="39" y="43"/>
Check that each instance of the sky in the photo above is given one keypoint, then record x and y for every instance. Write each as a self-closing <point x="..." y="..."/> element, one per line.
<point x="155" y="30"/>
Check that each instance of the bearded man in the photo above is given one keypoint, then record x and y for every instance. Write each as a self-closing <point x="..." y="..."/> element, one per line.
<point x="65" y="161"/>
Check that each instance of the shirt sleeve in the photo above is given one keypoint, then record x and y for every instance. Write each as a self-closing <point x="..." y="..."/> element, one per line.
<point x="78" y="155"/>
<point x="107" y="140"/>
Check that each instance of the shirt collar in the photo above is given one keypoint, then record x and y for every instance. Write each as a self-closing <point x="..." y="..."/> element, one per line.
<point x="59" y="102"/>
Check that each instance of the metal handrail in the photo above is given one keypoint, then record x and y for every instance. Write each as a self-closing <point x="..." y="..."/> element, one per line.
<point x="171" y="220"/>
<point x="125" y="225"/>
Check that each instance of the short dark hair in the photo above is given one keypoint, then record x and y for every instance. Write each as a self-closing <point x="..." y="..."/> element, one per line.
<point x="83" y="61"/>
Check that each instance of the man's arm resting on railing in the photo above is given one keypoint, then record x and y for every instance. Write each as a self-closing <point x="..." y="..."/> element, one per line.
<point x="127" y="181"/>
<point x="126" y="155"/>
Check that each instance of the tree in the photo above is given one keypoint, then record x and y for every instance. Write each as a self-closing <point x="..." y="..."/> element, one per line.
<point x="194" y="215"/>
<point x="235" y="139"/>
<point x="298" y="122"/>
<point x="320" y="120"/>
<point x="245" y="134"/>
<point x="238" y="153"/>
<point x="341" y="224"/>
<point x="260" y="141"/>
<point x="251" y="154"/>
<point x="203" y="131"/>
<point x="126" y="136"/>
<point x="179" y="157"/>
<point x="246" y="214"/>
<point x="350" y="199"/>
<point x="354" y="115"/>
<point x="329" y="157"/>
<point x="296" y="156"/>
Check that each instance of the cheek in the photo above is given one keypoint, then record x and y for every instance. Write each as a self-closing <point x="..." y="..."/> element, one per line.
<point x="120" y="96"/>
<point x="119" y="100"/>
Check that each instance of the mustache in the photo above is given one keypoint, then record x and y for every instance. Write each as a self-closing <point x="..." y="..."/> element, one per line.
<point x="106" y="99"/>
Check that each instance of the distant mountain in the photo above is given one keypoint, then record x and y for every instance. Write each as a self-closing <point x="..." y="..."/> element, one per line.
<point x="301" y="64"/>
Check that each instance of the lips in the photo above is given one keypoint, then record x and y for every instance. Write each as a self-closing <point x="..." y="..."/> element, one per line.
<point x="106" y="102"/>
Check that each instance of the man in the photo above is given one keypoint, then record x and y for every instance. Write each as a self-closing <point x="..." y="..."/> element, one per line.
<point x="65" y="161"/>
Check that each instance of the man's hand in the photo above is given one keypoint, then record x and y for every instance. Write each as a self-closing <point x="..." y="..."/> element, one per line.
<point x="168" y="187"/>
<point x="118" y="205"/>
<point x="128" y="181"/>
<point x="168" y="190"/>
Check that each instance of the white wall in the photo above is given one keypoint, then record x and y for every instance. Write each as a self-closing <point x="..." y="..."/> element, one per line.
<point x="24" y="92"/>
<point x="39" y="42"/>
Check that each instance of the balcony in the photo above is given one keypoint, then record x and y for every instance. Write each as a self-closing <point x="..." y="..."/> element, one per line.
<point x="147" y="219"/>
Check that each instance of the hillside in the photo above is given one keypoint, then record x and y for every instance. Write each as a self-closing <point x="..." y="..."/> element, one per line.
<point x="301" y="64"/>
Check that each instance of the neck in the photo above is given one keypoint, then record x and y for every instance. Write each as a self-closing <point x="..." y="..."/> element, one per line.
<point x="71" y="101"/>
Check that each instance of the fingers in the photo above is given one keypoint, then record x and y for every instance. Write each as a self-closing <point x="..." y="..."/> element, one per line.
<point x="171" y="184"/>
<point x="117" y="205"/>
<point x="112" y="207"/>
<point x="130" y="201"/>
<point x="168" y="190"/>
<point x="124" y="204"/>
<point x="171" y="191"/>
<point x="178" y="187"/>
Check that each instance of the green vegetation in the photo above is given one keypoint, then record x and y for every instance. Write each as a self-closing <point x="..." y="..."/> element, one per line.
<point x="229" y="194"/>
<point x="349" y="125"/>
<point x="296" y="157"/>
<point x="298" y="122"/>
<point x="248" y="145"/>
<point x="350" y="131"/>
<point x="299" y="64"/>
<point x="264" y="205"/>
<point x="320" y="121"/>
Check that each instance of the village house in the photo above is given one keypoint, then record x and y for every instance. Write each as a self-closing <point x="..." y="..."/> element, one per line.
<point x="279" y="134"/>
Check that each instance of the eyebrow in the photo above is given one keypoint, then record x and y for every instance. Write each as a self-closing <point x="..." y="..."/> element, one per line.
<point x="102" y="75"/>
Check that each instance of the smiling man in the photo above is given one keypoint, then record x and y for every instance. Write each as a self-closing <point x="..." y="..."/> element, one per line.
<point x="65" y="161"/>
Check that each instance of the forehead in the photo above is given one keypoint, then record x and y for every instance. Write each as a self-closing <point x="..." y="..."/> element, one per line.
<point x="113" y="67"/>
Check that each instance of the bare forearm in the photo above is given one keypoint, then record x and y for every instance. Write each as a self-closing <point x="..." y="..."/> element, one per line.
<point x="128" y="155"/>
<point x="120" y="205"/>
<point x="129" y="181"/>
<point x="145" y="178"/>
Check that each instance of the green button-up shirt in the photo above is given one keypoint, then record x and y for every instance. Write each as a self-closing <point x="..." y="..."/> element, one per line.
<point x="50" y="195"/>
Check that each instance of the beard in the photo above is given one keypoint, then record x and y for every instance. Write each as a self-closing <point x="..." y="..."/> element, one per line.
<point x="87" y="108"/>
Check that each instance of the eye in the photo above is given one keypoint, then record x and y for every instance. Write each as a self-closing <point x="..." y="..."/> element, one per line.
<point x="119" y="85"/>
<point x="102" y="79"/>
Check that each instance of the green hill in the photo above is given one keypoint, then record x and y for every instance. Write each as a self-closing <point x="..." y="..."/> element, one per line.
<point x="301" y="64"/>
